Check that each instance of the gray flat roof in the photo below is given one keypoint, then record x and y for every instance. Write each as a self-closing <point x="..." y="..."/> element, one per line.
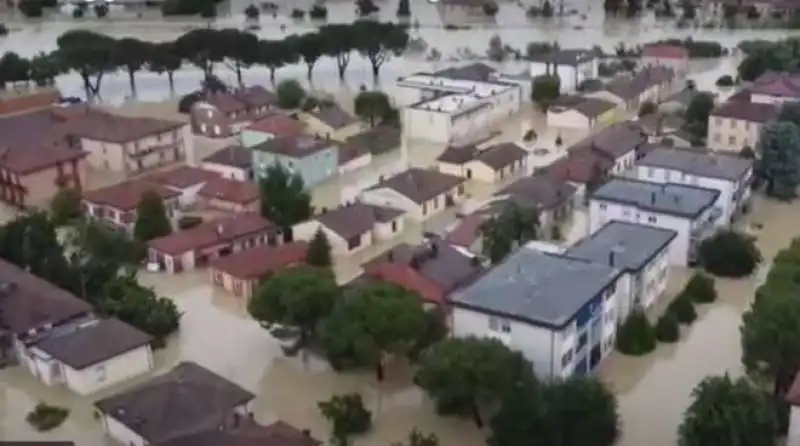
<point x="698" y="162"/>
<point x="629" y="246"/>
<point x="664" y="198"/>
<point x="536" y="287"/>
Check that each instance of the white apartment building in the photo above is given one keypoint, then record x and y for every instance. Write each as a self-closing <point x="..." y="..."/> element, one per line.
<point x="572" y="66"/>
<point x="560" y="312"/>
<point x="453" y="111"/>
<point x="688" y="210"/>
<point x="729" y="174"/>
<point x="641" y="251"/>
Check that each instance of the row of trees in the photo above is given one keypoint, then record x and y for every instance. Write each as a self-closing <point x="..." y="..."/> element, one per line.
<point x="778" y="164"/>
<point x="92" y="55"/>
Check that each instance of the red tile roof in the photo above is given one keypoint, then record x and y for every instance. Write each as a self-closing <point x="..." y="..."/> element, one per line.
<point x="223" y="230"/>
<point x="777" y="84"/>
<point x="407" y="278"/>
<point x="226" y="189"/>
<point x="580" y="166"/>
<point x="665" y="52"/>
<point x="262" y="260"/>
<point x="28" y="161"/>
<point x="182" y="177"/>
<point x="280" y="125"/>
<point x="102" y="126"/>
<point x="746" y="111"/>
<point x="30" y="102"/>
<point x="467" y="231"/>
<point x="126" y="195"/>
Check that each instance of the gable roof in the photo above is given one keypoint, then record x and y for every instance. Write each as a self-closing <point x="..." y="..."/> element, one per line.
<point x="232" y="156"/>
<point x="377" y="140"/>
<point x="665" y="198"/>
<point x="187" y="399"/>
<point x="279" y="124"/>
<point x="630" y="87"/>
<point x="354" y="219"/>
<point x="541" y="191"/>
<point x="182" y="177"/>
<point x="500" y="156"/>
<point x="623" y="245"/>
<point x="333" y="115"/>
<point x="106" y="127"/>
<point x="537" y="288"/>
<point x="28" y="302"/>
<point x="261" y="260"/>
<point x="247" y="433"/>
<point x="293" y="146"/>
<point x="125" y="196"/>
<point x="93" y="342"/>
<point x="571" y="57"/>
<point x="210" y="233"/>
<point x="698" y="162"/>
<point x="593" y="107"/>
<point x="28" y="102"/>
<point x="420" y="185"/>
<point x="665" y="51"/>
<point x="232" y="191"/>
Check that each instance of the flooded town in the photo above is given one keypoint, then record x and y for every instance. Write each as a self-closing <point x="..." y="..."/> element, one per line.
<point x="547" y="189"/>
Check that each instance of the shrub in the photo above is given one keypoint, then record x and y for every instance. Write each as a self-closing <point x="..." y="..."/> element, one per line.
<point x="31" y="8"/>
<point x="590" y="85"/>
<point x="290" y="94"/>
<point x="559" y="141"/>
<point x="366" y="7"/>
<point x="3" y="30"/>
<point x="189" y="221"/>
<point x="636" y="336"/>
<point x="667" y="328"/>
<point x="490" y="8"/>
<point x="648" y="107"/>
<point x="700" y="289"/>
<point x="298" y="13"/>
<point x="77" y="13"/>
<point x="607" y="69"/>
<point x="318" y="12"/>
<point x="683" y="309"/>
<point x="100" y="10"/>
<point x="252" y="12"/>
<point x="729" y="254"/>
<point x="347" y="415"/>
<point x="44" y="417"/>
<point x="725" y="81"/>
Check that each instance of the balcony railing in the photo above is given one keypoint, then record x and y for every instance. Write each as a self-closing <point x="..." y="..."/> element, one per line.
<point x="141" y="153"/>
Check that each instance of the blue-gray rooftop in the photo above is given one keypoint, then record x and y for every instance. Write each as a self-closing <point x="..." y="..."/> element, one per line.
<point x="663" y="198"/>
<point x="540" y="288"/>
<point x="628" y="246"/>
<point x="698" y="162"/>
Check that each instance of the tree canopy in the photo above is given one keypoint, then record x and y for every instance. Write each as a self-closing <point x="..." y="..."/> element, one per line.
<point x="152" y="220"/>
<point x="284" y="199"/>
<point x="65" y="206"/>
<point x="512" y="227"/>
<point x="729" y="254"/>
<point x="779" y="166"/>
<point x="372" y="106"/>
<point x="697" y="113"/>
<point x="319" y="250"/>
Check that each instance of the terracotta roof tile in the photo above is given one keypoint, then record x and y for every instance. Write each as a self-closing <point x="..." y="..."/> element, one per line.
<point x="746" y="111"/>
<point x="101" y="126"/>
<point x="407" y="278"/>
<point x="580" y="166"/>
<point x="223" y="230"/>
<point x="233" y="191"/>
<point x="466" y="231"/>
<point x="420" y="185"/>
<point x="126" y="195"/>
<point x="665" y="52"/>
<point x="356" y="219"/>
<point x="247" y="433"/>
<point x="24" y="161"/>
<point x="232" y="156"/>
<point x="279" y="124"/>
<point x="262" y="260"/>
<point x="30" y="102"/>
<point x="182" y="177"/>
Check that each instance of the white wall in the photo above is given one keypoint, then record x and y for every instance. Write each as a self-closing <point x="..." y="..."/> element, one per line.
<point x="624" y="162"/>
<point x="121" y="433"/>
<point x="391" y="199"/>
<point x="108" y="373"/>
<point x="426" y="124"/>
<point x="653" y="279"/>
<point x="384" y="231"/>
<point x="568" y="118"/>
<point x="233" y="173"/>
<point x="601" y="212"/>
<point x="188" y="195"/>
<point x="356" y="163"/>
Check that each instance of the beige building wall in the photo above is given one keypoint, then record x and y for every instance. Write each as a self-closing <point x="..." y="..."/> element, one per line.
<point x="732" y="135"/>
<point x="44" y="184"/>
<point x="177" y="145"/>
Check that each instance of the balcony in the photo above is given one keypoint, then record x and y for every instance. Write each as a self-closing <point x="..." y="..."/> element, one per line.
<point x="137" y="154"/>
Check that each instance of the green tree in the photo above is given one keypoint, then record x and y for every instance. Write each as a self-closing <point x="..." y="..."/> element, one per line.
<point x="372" y="105"/>
<point x="275" y="54"/>
<point x="14" y="68"/>
<point x="139" y="306"/>
<point x="465" y="375"/>
<point x="347" y="416"/>
<point x="252" y="13"/>
<point x="131" y="54"/>
<point x="417" y="438"/>
<point x="290" y="94"/>
<point x="89" y="54"/>
<point x="164" y="59"/>
<point x="318" y="12"/>
<point x="370" y="324"/>
<point x="668" y="328"/>
<point x="580" y="411"/>
<point x="490" y="8"/>
<point x="729" y="253"/>
<point x="44" y="68"/>
<point x="310" y="48"/>
<point x="522" y="416"/>
<point x="319" y="250"/>
<point x="547" y="9"/>
<point x="404" y="8"/>
<point x="101" y="10"/>
<point x="31" y="8"/>
<point x="378" y="41"/>
<point x="297" y="298"/>
<point x="727" y="412"/>
<point x="284" y="199"/>
<point x="790" y="112"/>
<point x="636" y="336"/>
<point x="683" y="309"/>
<point x="65" y="206"/>
<point x="689" y="10"/>
<point x="338" y="42"/>
<point x="512" y="227"/>
<point x="202" y="48"/>
<point x="700" y="288"/>
<point x="151" y="218"/>
<point x="779" y="166"/>
<point x="726" y="80"/>
<point x="241" y="51"/>
<point x="546" y="88"/>
<point x="697" y="113"/>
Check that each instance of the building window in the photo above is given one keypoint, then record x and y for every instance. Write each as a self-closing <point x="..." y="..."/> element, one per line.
<point x="566" y="359"/>
<point x="582" y="339"/>
<point x="424" y="208"/>
<point x="354" y="242"/>
<point x="650" y="172"/>
<point x="732" y="140"/>
<point x="603" y="207"/>
<point x="733" y="123"/>
<point x="626" y="212"/>
<point x="101" y="373"/>
<point x="499" y="324"/>
<point x="652" y="219"/>
<point x="394" y="226"/>
<point x="717" y="137"/>
<point x="237" y="287"/>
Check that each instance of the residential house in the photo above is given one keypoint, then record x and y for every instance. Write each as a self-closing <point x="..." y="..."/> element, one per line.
<point x="675" y="57"/>
<point x="241" y="273"/>
<point x="678" y="101"/>
<point x="581" y="113"/>
<point x="629" y="92"/>
<point x="433" y="270"/>
<point x="116" y="204"/>
<point x="223" y="114"/>
<point x="228" y="195"/>
<point x="356" y="151"/>
<point x="640" y="251"/>
<point x="447" y="110"/>
<point x="192" y="248"/>
<point x="274" y="125"/>
<point x="234" y="162"/>
<point x="657" y="125"/>
<point x="585" y="169"/>
<point x="186" y="400"/>
<point x="186" y="180"/>
<point x="353" y="227"/>
<point x="688" y="210"/>
<point x="244" y="432"/>
<point x="466" y="232"/>
<point x="491" y="164"/>
<point x="55" y="336"/>
<point x="555" y="200"/>
<point x="313" y="159"/>
<point x="737" y="122"/>
<point x="329" y="120"/>
<point x="561" y="313"/>
<point x="729" y="174"/>
<point x="421" y="193"/>
<point x="129" y="145"/>
<point x="572" y="66"/>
